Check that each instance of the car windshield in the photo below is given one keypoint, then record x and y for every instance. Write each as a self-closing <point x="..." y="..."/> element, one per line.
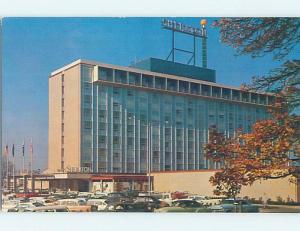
<point x="235" y="202"/>
<point x="229" y="202"/>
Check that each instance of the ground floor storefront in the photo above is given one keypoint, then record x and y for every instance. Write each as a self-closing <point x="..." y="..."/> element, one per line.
<point x="195" y="182"/>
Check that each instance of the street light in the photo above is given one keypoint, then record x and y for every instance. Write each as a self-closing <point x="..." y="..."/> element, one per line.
<point x="149" y="158"/>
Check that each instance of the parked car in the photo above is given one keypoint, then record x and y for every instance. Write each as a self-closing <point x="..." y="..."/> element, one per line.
<point x="97" y="204"/>
<point x="26" y="194"/>
<point x="9" y="205"/>
<point x="22" y="207"/>
<point x="130" y="207"/>
<point x="166" y="198"/>
<point x="179" y="195"/>
<point x="75" y="205"/>
<point x="184" y="206"/>
<point x="235" y="205"/>
<point x="72" y="194"/>
<point x="85" y="195"/>
<point x="55" y="208"/>
<point x="153" y="201"/>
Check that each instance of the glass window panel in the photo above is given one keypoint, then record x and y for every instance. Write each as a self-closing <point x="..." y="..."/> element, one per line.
<point x="105" y="74"/>
<point x="120" y="76"/>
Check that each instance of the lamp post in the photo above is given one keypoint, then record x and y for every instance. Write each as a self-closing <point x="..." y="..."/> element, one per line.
<point x="149" y="158"/>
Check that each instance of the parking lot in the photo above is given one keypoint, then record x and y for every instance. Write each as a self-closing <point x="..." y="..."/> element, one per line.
<point x="134" y="201"/>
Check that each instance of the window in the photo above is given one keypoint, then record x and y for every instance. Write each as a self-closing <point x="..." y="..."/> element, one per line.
<point x="172" y="84"/>
<point x="87" y="112"/>
<point x="245" y="96"/>
<point x="87" y="125"/>
<point x="87" y="99"/>
<point x="262" y="99"/>
<point x="105" y="74"/>
<point x="147" y="81"/>
<point x="120" y="76"/>
<point x="195" y="88"/>
<point x="254" y="98"/>
<point x="216" y="91"/>
<point x="183" y="86"/>
<point x="235" y="95"/>
<point x="134" y="79"/>
<point x="226" y="93"/>
<point x="160" y="83"/>
<point x="205" y="89"/>
<point x="87" y="73"/>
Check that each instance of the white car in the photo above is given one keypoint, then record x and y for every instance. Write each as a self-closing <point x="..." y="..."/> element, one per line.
<point x="167" y="198"/>
<point x="101" y="204"/>
<point x="85" y="194"/>
<point x="200" y="199"/>
<point x="9" y="205"/>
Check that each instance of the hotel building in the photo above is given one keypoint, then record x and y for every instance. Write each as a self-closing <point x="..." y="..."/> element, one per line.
<point x="155" y="114"/>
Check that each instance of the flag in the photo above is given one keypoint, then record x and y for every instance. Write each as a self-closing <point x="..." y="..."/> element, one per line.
<point x="23" y="148"/>
<point x="13" y="150"/>
<point x="6" y="150"/>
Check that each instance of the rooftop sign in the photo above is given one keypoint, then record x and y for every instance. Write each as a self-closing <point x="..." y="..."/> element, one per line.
<point x="180" y="27"/>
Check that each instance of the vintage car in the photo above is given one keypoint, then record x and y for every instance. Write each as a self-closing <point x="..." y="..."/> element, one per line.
<point x="10" y="204"/>
<point x="22" y="207"/>
<point x="52" y="208"/>
<point x="184" y="206"/>
<point x="75" y="205"/>
<point x="128" y="206"/>
<point x="97" y="204"/>
<point x="153" y="201"/>
<point x="235" y="205"/>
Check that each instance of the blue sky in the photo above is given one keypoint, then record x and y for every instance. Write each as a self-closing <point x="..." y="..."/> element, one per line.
<point x="34" y="47"/>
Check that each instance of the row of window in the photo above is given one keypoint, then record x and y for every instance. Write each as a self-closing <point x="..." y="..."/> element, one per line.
<point x="156" y="82"/>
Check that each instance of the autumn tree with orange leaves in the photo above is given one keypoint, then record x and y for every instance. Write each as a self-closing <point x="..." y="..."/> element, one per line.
<point x="272" y="149"/>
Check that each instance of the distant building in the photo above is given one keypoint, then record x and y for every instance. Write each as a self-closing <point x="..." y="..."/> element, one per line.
<point x="112" y="119"/>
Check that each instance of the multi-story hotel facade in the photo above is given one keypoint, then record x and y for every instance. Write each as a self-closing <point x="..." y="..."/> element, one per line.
<point x="111" y="119"/>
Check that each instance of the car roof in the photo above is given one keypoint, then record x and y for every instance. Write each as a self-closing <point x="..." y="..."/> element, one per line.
<point x="49" y="207"/>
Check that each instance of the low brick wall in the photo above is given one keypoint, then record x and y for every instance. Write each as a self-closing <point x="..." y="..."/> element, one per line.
<point x="198" y="182"/>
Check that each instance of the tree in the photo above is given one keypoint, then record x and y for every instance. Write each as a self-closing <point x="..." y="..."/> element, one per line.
<point x="270" y="151"/>
<point x="260" y="36"/>
<point x="272" y="148"/>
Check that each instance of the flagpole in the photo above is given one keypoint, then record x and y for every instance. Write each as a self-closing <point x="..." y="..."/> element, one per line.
<point x="7" y="176"/>
<point x="31" y="163"/>
<point x="23" y="147"/>
<point x="14" y="179"/>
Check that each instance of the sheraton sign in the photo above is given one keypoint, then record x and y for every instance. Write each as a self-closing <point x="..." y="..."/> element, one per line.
<point x="77" y="170"/>
<point x="180" y="27"/>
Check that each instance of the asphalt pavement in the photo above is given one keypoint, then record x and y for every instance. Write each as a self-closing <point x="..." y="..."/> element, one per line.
<point x="280" y="209"/>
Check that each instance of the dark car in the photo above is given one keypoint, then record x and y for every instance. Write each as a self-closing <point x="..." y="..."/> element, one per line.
<point x="184" y="206"/>
<point x="152" y="201"/>
<point x="118" y="197"/>
<point x="130" y="207"/>
<point x="235" y="205"/>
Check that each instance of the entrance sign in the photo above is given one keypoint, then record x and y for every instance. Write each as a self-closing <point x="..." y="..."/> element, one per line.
<point x="77" y="170"/>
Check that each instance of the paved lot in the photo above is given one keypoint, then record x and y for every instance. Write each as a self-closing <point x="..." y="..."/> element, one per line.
<point x="280" y="209"/>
